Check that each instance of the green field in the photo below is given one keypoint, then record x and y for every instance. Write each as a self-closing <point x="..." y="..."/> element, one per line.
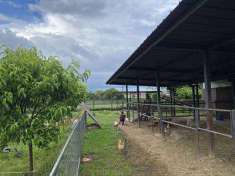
<point x="43" y="158"/>
<point x="102" y="145"/>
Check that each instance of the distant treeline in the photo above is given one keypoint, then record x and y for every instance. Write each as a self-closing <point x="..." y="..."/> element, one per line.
<point x="107" y="94"/>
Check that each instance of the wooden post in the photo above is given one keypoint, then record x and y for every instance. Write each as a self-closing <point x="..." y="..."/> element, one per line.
<point x="127" y="103"/>
<point x="207" y="82"/>
<point x="159" y="102"/>
<point x="138" y="102"/>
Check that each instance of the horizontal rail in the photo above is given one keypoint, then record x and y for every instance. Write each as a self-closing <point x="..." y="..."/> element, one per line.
<point x="185" y="107"/>
<point x="215" y="132"/>
<point x="150" y="116"/>
<point x="177" y="124"/>
<point x="188" y="127"/>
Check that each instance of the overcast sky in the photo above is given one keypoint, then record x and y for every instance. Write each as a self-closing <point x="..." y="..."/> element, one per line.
<point x="100" y="33"/>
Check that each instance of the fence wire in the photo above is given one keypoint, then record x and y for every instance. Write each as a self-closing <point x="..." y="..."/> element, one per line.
<point x="68" y="162"/>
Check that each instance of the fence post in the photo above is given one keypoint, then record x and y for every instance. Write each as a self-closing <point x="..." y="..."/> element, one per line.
<point x="85" y="118"/>
<point x="197" y="125"/>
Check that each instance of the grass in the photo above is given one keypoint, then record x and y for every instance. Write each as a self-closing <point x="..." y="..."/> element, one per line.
<point x="43" y="158"/>
<point x="102" y="145"/>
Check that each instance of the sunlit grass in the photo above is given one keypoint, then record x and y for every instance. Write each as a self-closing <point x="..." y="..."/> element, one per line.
<point x="102" y="145"/>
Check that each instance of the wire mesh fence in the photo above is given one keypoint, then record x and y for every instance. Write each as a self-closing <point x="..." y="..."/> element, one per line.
<point x="68" y="162"/>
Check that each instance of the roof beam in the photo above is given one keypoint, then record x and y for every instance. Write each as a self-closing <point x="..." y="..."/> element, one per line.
<point x="153" y="79"/>
<point x="146" y="69"/>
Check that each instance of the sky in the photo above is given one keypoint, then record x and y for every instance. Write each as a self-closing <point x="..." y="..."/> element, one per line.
<point x="101" y="34"/>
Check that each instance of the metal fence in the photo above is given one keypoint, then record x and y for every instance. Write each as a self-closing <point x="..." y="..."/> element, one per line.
<point x="165" y="117"/>
<point x="197" y="122"/>
<point x="68" y="162"/>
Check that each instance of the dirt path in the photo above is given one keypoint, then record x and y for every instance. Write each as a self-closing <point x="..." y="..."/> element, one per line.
<point x="172" y="156"/>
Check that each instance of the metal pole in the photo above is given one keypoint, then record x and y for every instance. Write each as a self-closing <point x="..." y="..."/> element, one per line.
<point x="232" y="120"/>
<point x="197" y="125"/>
<point x="127" y="102"/>
<point x="198" y="99"/>
<point x="159" y="102"/>
<point x="233" y="124"/>
<point x="171" y="100"/>
<point x="194" y="100"/>
<point x="138" y="102"/>
<point x="174" y="101"/>
<point x="233" y="93"/>
<point x="207" y="82"/>
<point x="232" y="116"/>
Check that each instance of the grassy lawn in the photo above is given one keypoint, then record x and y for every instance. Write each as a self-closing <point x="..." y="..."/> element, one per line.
<point x="102" y="145"/>
<point x="43" y="158"/>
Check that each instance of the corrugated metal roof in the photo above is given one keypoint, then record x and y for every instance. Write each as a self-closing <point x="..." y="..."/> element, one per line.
<point x="175" y="48"/>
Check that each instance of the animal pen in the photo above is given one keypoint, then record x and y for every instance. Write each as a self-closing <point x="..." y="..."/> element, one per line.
<point x="194" y="45"/>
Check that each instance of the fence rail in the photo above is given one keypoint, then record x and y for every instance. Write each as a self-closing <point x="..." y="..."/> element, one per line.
<point x="68" y="162"/>
<point x="197" y="110"/>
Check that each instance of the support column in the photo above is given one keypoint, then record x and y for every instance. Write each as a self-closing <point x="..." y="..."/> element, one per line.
<point x="233" y="92"/>
<point x="127" y="103"/>
<point x="194" y="100"/>
<point x="172" y="101"/>
<point x="159" y="102"/>
<point x="207" y="82"/>
<point x="233" y="117"/>
<point x="197" y="99"/>
<point x="138" y="102"/>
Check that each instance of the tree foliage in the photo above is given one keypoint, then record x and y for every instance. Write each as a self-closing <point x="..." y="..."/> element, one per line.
<point x="185" y="92"/>
<point x="36" y="94"/>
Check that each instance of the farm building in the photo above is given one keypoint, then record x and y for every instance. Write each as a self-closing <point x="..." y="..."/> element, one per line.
<point x="193" y="45"/>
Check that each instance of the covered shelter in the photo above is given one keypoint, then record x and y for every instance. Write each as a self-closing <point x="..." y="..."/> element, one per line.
<point x="194" y="44"/>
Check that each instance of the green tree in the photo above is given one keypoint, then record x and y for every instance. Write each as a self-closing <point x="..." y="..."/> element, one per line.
<point x="36" y="94"/>
<point x="185" y="92"/>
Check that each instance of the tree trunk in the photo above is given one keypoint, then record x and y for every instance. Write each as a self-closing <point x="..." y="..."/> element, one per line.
<point x="30" y="146"/>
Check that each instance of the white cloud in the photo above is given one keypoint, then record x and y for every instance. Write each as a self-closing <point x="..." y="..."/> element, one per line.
<point x="102" y="33"/>
<point x="9" y="39"/>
